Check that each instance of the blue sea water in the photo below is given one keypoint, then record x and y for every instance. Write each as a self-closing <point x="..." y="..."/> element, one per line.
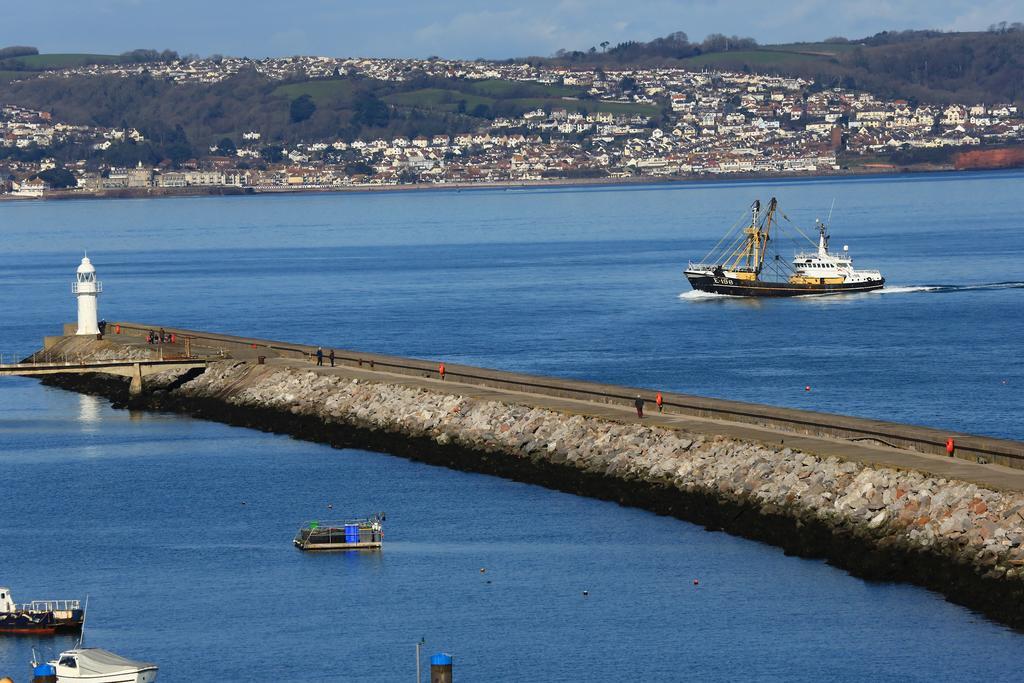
<point x="144" y="512"/>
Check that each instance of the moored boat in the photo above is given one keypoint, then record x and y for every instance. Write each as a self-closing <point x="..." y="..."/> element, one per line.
<point x="749" y="264"/>
<point x="353" y="534"/>
<point x="96" y="666"/>
<point x="39" y="617"/>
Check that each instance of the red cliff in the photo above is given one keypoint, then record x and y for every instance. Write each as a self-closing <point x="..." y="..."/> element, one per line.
<point x="1009" y="157"/>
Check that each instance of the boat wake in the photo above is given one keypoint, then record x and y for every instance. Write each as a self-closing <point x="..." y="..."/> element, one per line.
<point x="908" y="289"/>
<point x="945" y="289"/>
<point x="697" y="295"/>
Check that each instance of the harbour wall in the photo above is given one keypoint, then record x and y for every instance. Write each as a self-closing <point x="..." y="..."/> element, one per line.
<point x="972" y="448"/>
<point x="881" y="523"/>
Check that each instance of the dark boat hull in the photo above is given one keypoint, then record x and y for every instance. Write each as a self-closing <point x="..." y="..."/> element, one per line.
<point x="39" y="623"/>
<point x="721" y="284"/>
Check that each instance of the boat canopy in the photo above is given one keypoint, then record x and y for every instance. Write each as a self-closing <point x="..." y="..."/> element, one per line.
<point x="94" y="661"/>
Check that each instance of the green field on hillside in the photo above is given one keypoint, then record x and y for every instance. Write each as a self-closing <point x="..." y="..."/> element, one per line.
<point x="62" y="60"/>
<point x="6" y="76"/>
<point x="496" y="95"/>
<point x="438" y="98"/>
<point x="330" y="88"/>
<point x="755" y="59"/>
<point x="504" y="89"/>
<point x="449" y="100"/>
<point x="814" y="49"/>
<point x="493" y="89"/>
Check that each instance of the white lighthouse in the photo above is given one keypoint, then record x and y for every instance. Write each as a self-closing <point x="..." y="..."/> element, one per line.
<point x="87" y="288"/>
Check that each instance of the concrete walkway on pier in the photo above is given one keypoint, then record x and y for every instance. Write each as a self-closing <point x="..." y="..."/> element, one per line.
<point x="423" y="374"/>
<point x="991" y="476"/>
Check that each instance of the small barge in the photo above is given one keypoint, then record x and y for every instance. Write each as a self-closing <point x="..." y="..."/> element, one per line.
<point x="39" y="617"/>
<point x="353" y="534"/>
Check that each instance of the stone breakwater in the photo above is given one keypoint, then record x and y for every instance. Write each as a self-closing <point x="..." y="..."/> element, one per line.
<point x="962" y="540"/>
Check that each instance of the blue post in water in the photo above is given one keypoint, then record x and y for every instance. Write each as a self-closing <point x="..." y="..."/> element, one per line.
<point x="441" y="668"/>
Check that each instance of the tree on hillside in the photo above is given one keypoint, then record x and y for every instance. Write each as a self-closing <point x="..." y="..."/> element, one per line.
<point x="370" y="110"/>
<point x="17" y="51"/>
<point x="717" y="42"/>
<point x="272" y="154"/>
<point x="226" y="146"/>
<point x="137" y="56"/>
<point x="169" y="143"/>
<point x="302" y="108"/>
<point x="130" y="154"/>
<point x="58" y="178"/>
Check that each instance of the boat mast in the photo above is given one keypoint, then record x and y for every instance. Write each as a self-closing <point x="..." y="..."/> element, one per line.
<point x="753" y="242"/>
<point x="749" y="256"/>
<point x="765" y="234"/>
<point x="85" y="615"/>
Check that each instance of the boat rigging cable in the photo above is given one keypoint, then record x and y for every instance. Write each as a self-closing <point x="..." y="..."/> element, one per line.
<point x="717" y="253"/>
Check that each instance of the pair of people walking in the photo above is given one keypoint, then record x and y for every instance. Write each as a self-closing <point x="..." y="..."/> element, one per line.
<point x="639" y="404"/>
<point x="320" y="356"/>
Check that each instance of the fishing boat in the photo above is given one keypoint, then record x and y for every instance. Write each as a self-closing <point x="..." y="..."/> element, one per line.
<point x="91" y="664"/>
<point x="39" y="617"/>
<point x="95" y="666"/>
<point x="365" y="533"/>
<point x="747" y="263"/>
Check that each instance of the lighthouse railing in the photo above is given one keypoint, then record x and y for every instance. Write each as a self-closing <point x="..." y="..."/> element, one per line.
<point x="87" y="287"/>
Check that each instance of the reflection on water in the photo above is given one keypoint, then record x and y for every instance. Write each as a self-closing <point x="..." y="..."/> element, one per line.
<point x="17" y="652"/>
<point x="89" y="412"/>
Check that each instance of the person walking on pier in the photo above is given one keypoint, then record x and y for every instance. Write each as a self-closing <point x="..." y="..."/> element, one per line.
<point x="331" y="356"/>
<point x="319" y="355"/>
<point x="639" y="403"/>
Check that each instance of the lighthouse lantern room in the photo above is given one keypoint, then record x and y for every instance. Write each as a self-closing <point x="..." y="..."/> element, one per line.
<point x="87" y="288"/>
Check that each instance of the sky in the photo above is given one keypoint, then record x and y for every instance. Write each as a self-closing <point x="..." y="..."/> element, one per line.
<point x="458" y="28"/>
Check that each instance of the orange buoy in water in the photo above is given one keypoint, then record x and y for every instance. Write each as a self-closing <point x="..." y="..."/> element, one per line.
<point x="950" y="447"/>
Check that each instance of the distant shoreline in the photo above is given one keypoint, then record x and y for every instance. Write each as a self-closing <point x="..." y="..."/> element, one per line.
<point x="154" y="192"/>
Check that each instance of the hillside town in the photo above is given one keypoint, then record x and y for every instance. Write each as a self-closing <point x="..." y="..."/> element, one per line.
<point x="633" y="124"/>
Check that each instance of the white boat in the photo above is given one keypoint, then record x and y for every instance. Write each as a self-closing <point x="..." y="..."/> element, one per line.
<point x="101" y="666"/>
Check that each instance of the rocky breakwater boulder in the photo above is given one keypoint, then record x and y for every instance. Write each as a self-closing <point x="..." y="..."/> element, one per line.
<point x="956" y="537"/>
